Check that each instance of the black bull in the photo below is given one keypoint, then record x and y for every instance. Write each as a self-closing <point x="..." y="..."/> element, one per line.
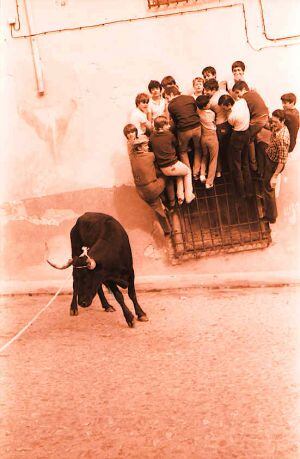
<point x="101" y="254"/>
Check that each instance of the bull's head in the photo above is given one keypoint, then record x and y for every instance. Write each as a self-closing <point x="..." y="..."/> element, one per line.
<point x="85" y="277"/>
<point x="83" y="261"/>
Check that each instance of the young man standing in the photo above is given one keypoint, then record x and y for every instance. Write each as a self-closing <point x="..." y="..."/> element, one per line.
<point x="291" y="117"/>
<point x="275" y="158"/>
<point x="259" y="115"/>
<point x="212" y="89"/>
<point x="238" y="156"/>
<point x="183" y="112"/>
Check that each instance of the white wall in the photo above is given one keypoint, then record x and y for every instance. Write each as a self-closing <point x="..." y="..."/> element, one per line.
<point x="71" y="138"/>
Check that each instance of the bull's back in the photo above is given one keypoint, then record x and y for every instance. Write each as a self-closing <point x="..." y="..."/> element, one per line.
<point x="101" y="229"/>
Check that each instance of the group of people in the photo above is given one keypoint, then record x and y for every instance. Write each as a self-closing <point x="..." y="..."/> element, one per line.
<point x="218" y="127"/>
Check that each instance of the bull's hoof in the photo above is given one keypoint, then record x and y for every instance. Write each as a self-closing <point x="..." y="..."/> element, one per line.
<point x="110" y="309"/>
<point x="143" y="318"/>
<point x="73" y="312"/>
<point x="130" y="323"/>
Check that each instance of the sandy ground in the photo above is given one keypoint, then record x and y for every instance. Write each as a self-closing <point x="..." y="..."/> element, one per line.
<point x="213" y="374"/>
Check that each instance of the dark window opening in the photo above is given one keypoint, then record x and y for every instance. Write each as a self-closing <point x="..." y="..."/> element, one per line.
<point x="218" y="222"/>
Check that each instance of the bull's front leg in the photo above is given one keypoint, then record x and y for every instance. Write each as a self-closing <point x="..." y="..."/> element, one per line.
<point x="74" y="306"/>
<point x="105" y="304"/>
<point x="129" y="317"/>
<point x="141" y="315"/>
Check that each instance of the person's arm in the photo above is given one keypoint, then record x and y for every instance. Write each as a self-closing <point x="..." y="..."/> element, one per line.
<point x="293" y="126"/>
<point x="283" y="151"/>
<point x="146" y="125"/>
<point x="150" y="117"/>
<point x="231" y="118"/>
<point x="172" y="120"/>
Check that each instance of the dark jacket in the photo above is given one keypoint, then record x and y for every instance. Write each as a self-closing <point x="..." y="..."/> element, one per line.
<point x="183" y="111"/>
<point x="163" y="144"/>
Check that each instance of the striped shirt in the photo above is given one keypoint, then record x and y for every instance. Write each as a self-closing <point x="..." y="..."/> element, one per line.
<point x="278" y="149"/>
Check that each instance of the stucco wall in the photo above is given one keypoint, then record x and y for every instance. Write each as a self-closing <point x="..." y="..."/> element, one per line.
<point x="67" y="146"/>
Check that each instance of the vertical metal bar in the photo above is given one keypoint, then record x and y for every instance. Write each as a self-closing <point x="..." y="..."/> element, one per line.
<point x="199" y="219"/>
<point x="219" y="215"/>
<point x="191" y="227"/>
<point x="228" y="212"/>
<point x="208" y="214"/>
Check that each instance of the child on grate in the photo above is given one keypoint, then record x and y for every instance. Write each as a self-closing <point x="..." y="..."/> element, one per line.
<point x="259" y="115"/>
<point x="163" y="144"/>
<point x="197" y="87"/>
<point x="148" y="185"/>
<point x="183" y="112"/>
<point x="157" y="104"/>
<point x="209" y="141"/>
<point x="131" y="133"/>
<point x="139" y="115"/>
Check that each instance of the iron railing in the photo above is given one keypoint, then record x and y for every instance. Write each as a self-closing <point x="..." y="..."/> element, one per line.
<point x="218" y="221"/>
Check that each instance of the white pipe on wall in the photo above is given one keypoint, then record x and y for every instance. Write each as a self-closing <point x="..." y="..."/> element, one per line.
<point x="35" y="50"/>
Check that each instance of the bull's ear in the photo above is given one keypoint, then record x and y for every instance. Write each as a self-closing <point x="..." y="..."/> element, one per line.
<point x="91" y="263"/>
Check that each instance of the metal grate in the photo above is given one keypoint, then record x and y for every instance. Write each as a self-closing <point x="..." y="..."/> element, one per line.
<point x="216" y="221"/>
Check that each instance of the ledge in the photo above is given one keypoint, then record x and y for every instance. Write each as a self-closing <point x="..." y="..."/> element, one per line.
<point x="258" y="279"/>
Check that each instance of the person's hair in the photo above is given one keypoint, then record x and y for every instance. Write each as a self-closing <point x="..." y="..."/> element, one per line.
<point x="197" y="79"/>
<point x="202" y="101"/>
<point x="160" y="122"/>
<point x="226" y="100"/>
<point x="168" y="81"/>
<point x="154" y="84"/>
<point x="240" y="85"/>
<point x="141" y="97"/>
<point x="210" y="70"/>
<point x="172" y="90"/>
<point x="289" y="97"/>
<point x="238" y="64"/>
<point x="211" y="85"/>
<point x="279" y="114"/>
<point x="129" y="128"/>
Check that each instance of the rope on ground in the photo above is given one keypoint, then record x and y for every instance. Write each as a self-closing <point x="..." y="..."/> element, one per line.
<point x="14" y="338"/>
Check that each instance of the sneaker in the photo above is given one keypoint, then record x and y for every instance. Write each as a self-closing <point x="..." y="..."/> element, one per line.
<point x="202" y="178"/>
<point x="218" y="174"/>
<point x="208" y="186"/>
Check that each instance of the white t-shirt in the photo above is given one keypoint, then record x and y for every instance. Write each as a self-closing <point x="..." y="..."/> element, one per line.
<point x="239" y="116"/>
<point x="157" y="109"/>
<point x="138" y="118"/>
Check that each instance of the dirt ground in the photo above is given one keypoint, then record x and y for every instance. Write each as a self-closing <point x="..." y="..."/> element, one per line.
<point x="213" y="374"/>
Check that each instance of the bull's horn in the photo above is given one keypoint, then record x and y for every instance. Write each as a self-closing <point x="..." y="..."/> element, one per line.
<point x="65" y="266"/>
<point x="91" y="263"/>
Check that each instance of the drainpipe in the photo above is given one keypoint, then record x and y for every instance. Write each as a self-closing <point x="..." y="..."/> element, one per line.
<point x="35" y="50"/>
